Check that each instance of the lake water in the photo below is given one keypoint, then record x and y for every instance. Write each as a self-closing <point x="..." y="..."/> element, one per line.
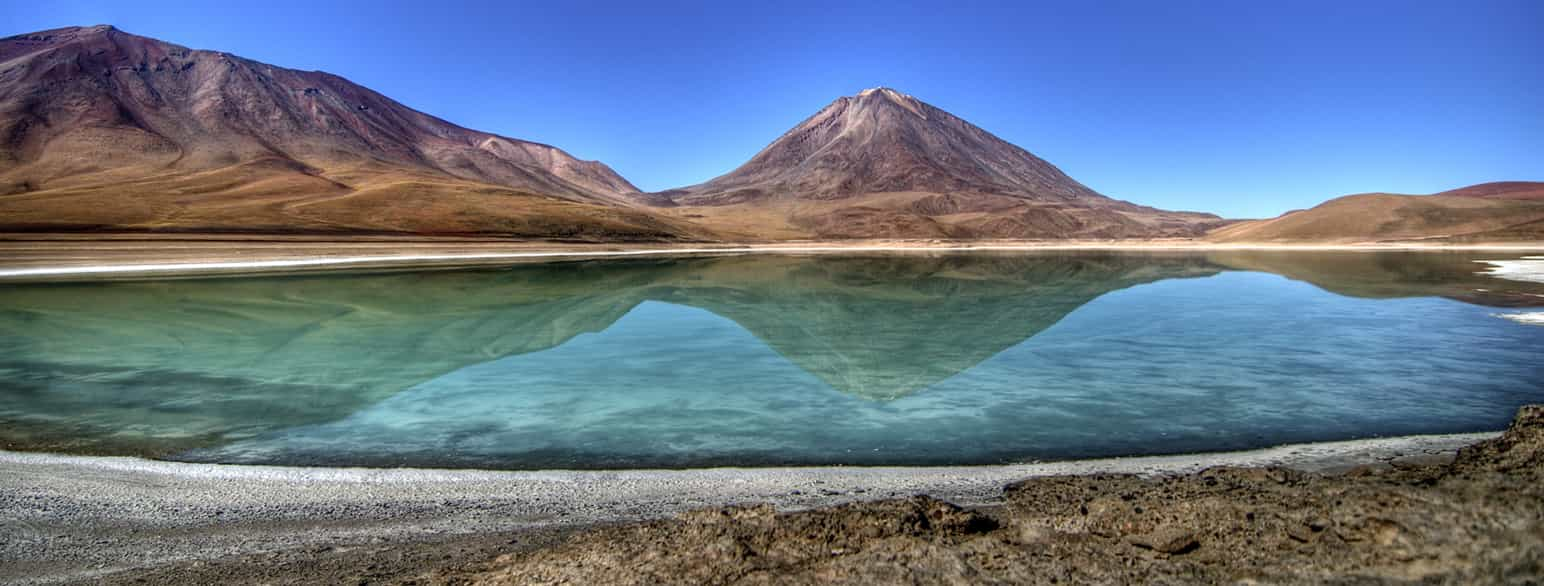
<point x="760" y="360"/>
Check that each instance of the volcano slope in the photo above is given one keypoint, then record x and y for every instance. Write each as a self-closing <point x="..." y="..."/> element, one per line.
<point x="883" y="164"/>
<point x="106" y="131"/>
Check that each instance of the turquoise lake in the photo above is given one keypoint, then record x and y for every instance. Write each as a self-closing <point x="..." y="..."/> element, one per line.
<point x="771" y="360"/>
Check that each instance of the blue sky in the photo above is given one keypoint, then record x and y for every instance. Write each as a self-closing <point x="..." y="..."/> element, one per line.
<point x="1238" y="107"/>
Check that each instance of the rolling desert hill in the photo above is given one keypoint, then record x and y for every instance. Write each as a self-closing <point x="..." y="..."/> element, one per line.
<point x="105" y="130"/>
<point x="1503" y="211"/>
<point x="884" y="164"/>
<point x="1518" y="190"/>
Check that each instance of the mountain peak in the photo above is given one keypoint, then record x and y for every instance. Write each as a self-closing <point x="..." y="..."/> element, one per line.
<point x="102" y="38"/>
<point x="887" y="97"/>
<point x="884" y="163"/>
<point x="62" y="34"/>
<point x="886" y="141"/>
<point x="883" y="91"/>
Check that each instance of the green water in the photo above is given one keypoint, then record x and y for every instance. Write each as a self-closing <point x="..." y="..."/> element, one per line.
<point x="770" y="360"/>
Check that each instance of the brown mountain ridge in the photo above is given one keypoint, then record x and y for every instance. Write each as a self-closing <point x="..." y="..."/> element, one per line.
<point x="1488" y="212"/>
<point x="102" y="129"/>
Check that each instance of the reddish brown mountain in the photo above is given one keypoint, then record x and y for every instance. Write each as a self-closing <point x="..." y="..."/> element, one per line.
<point x="1489" y="212"/>
<point x="885" y="164"/>
<point x="1501" y="190"/>
<point x="104" y="129"/>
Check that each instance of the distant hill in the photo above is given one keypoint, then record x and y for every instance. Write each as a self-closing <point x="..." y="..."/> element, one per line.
<point x="885" y="164"/>
<point x="1524" y="190"/>
<point x="107" y="130"/>
<point x="1505" y="211"/>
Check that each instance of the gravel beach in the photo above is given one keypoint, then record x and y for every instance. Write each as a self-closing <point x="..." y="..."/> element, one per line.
<point x="1476" y="519"/>
<point x="73" y="519"/>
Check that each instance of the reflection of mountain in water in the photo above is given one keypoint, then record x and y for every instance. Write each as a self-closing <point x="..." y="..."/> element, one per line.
<point x="1389" y="274"/>
<point x="203" y="360"/>
<point x="199" y="361"/>
<point x="160" y="366"/>
<point x="889" y="326"/>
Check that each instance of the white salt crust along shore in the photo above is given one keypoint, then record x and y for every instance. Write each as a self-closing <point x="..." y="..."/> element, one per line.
<point x="75" y="517"/>
<point x="1533" y="318"/>
<point x="1528" y="269"/>
<point x="486" y="258"/>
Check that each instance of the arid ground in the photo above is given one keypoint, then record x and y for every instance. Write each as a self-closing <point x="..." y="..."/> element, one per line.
<point x="1478" y="519"/>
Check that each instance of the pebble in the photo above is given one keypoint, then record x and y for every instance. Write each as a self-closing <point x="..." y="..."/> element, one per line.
<point x="1169" y="540"/>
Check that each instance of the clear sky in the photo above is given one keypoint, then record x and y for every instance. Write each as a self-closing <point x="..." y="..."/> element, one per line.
<point x="1238" y="107"/>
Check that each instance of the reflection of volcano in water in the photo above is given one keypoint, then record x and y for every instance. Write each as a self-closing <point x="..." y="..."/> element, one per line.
<point x="156" y="367"/>
<point x="887" y="327"/>
<point x="200" y="361"/>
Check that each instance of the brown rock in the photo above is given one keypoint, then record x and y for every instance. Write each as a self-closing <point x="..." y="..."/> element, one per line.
<point x="1301" y="532"/>
<point x="1170" y="540"/>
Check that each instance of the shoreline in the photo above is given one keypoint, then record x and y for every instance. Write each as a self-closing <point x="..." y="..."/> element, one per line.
<point x="142" y="515"/>
<point x="25" y="260"/>
<point x="1307" y="456"/>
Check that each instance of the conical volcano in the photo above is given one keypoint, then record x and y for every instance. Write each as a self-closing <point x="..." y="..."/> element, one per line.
<point x="885" y="164"/>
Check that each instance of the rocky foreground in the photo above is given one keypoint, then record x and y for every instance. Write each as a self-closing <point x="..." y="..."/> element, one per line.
<point x="1477" y="519"/>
